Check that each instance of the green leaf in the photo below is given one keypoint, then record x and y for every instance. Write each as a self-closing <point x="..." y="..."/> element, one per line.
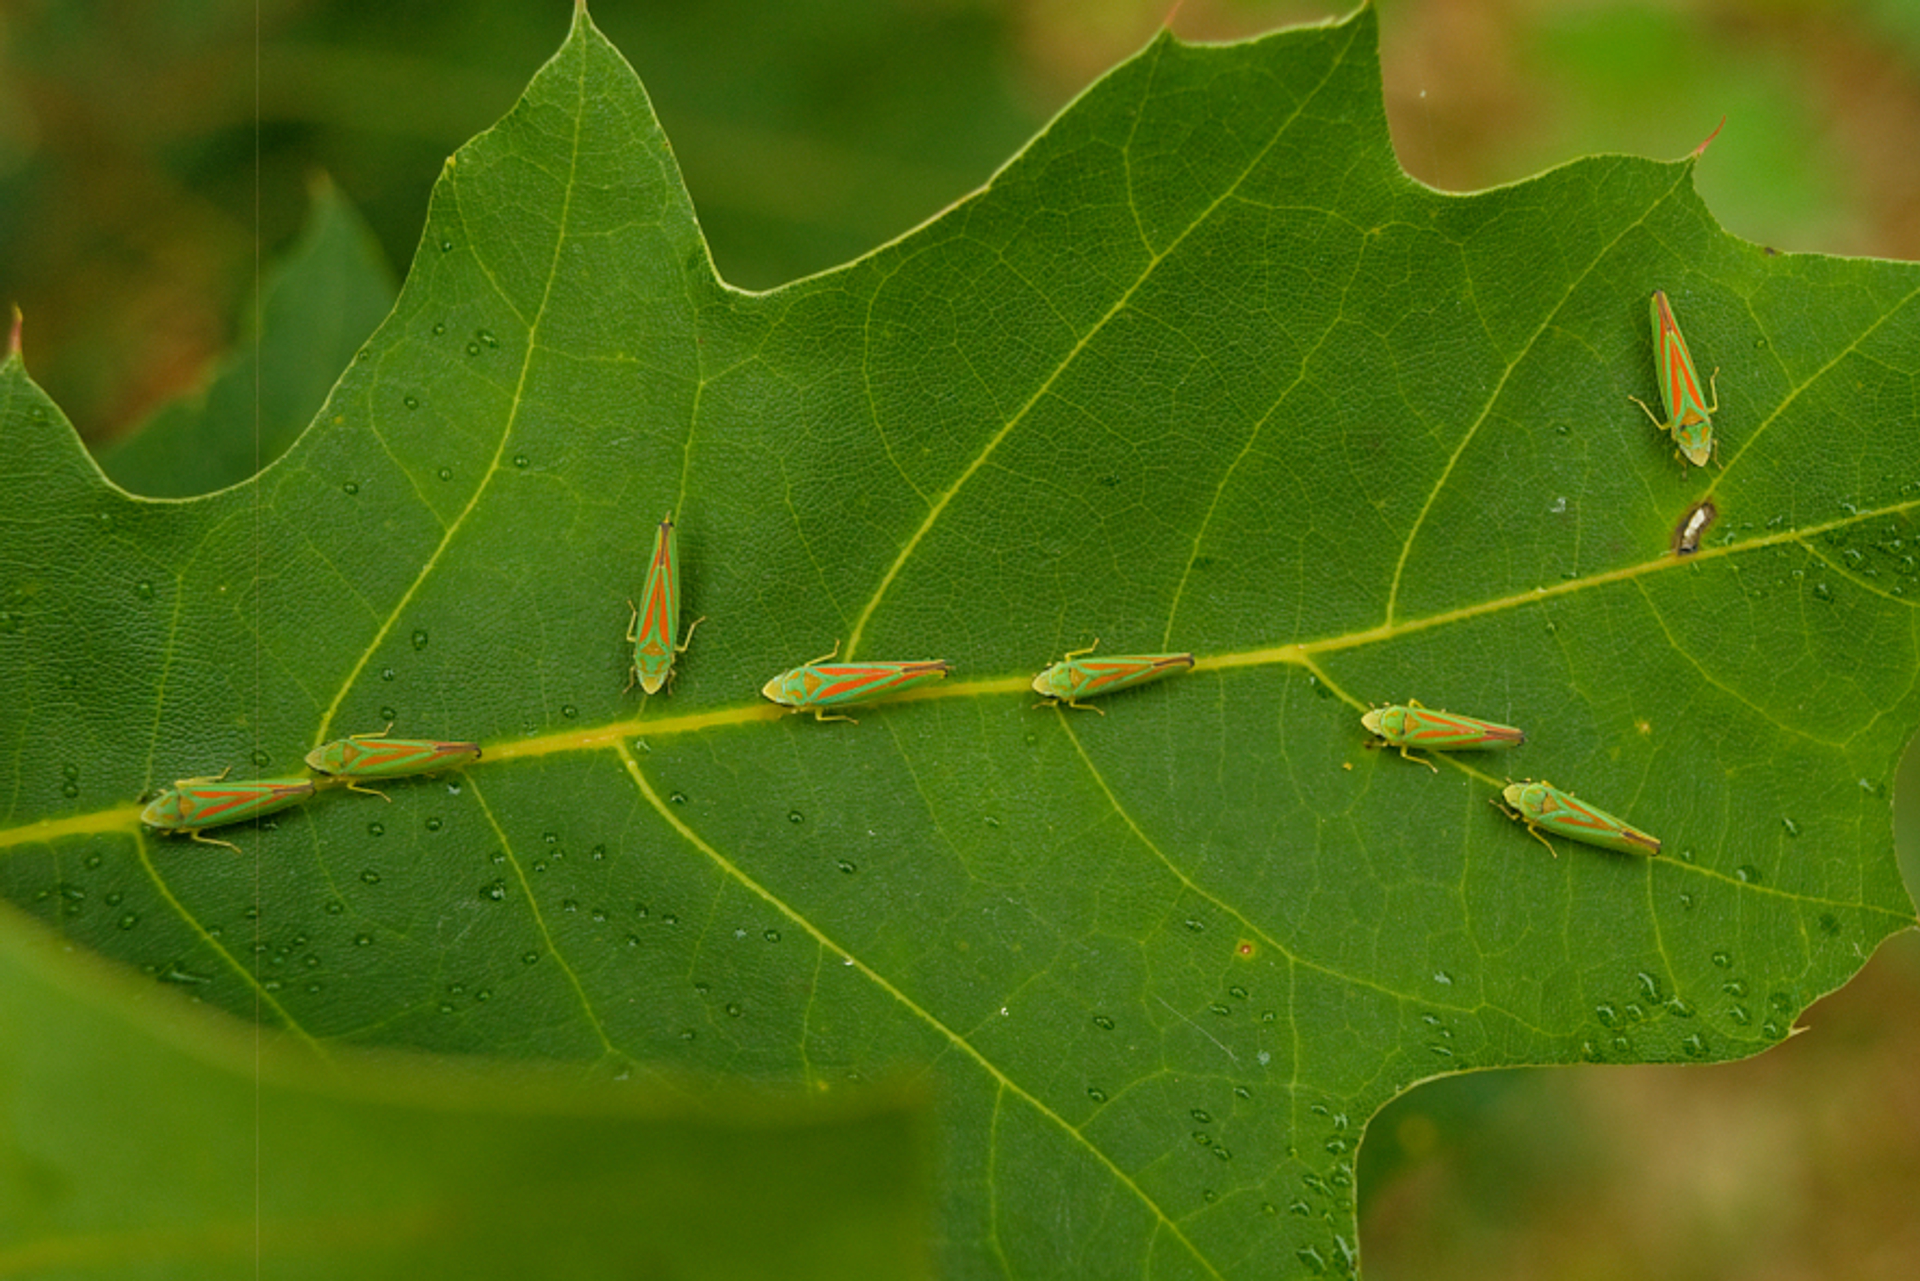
<point x="148" y="1140"/>
<point x="1201" y="369"/>
<point x="317" y="307"/>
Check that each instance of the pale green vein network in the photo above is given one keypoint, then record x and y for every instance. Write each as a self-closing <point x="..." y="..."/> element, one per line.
<point x="1708" y="677"/>
<point x="1468" y="436"/>
<point x="1793" y="393"/>
<point x="1067" y="359"/>
<point x="540" y="921"/>
<point x="453" y="527"/>
<point x="260" y="993"/>
<point x="821" y="939"/>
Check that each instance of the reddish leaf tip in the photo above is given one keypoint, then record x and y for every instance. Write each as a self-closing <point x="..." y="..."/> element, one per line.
<point x="1700" y="150"/>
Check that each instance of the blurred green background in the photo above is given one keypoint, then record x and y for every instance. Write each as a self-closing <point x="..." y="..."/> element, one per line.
<point x="156" y="156"/>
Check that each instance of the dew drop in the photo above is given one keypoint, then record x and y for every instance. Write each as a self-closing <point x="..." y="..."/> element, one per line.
<point x="1202" y="1116"/>
<point x="370" y="876"/>
<point x="794" y="816"/>
<point x="128" y="921"/>
<point x="771" y="936"/>
<point x="363" y="940"/>
<point x="1793" y="828"/>
<point x="143" y="589"/>
<point x="1203" y="1138"/>
<point x="1722" y="959"/>
<point x="350" y="488"/>
<point x="438" y="328"/>
<point x="846" y="867"/>
<point x="1097" y="1094"/>
<point x="376" y="829"/>
<point x="1748" y="873"/>
<point x="1694" y="1046"/>
<point x="410" y="402"/>
<point x="569" y="711"/>
<point x="473" y="349"/>
<point x="388" y="714"/>
<point x="528" y="958"/>
<point x="433" y="824"/>
<point x="1195" y="925"/>
<point x="446" y="473"/>
<point x="1822" y="592"/>
<point x="69" y="790"/>
<point x="734" y="1011"/>
<point x="669" y="918"/>
<point x="419" y="638"/>
<point x="1102" y="1022"/>
<point x="678" y="798"/>
<point x="486" y="336"/>
<point x="387" y="673"/>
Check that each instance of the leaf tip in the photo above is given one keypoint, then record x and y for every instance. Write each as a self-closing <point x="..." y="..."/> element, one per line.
<point x="13" y="334"/>
<point x="1701" y="150"/>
